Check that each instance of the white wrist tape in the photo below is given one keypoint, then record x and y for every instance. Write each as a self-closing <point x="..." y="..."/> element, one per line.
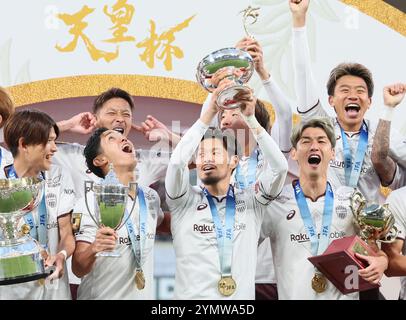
<point x="387" y="113"/>
<point x="65" y="254"/>
<point x="252" y="122"/>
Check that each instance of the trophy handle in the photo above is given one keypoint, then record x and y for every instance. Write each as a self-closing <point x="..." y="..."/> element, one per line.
<point x="88" y="188"/>
<point x="130" y="186"/>
<point x="390" y="236"/>
<point x="357" y="202"/>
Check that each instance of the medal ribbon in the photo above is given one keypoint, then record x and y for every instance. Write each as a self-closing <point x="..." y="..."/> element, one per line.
<point x="41" y="235"/>
<point x="318" y="246"/>
<point x="224" y="233"/>
<point x="251" y="174"/>
<point x="138" y="246"/>
<point x="352" y="173"/>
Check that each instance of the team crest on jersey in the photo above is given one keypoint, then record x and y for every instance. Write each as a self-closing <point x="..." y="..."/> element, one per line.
<point x="341" y="212"/>
<point x="51" y="200"/>
<point x="291" y="214"/>
<point x="240" y="206"/>
<point x="149" y="196"/>
<point x="201" y="206"/>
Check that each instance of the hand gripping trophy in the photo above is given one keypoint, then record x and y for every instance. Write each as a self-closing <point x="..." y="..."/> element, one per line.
<point x="110" y="201"/>
<point x="22" y="258"/>
<point x="238" y="64"/>
<point x="374" y="223"/>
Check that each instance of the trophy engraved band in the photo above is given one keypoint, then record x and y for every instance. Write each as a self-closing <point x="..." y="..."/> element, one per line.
<point x="22" y="258"/>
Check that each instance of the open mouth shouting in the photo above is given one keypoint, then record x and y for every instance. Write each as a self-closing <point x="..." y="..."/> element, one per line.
<point x="352" y="110"/>
<point x="207" y="168"/>
<point x="119" y="129"/>
<point x="127" y="147"/>
<point x="314" y="160"/>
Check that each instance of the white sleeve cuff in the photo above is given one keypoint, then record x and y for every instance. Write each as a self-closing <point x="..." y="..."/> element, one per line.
<point x="387" y="113"/>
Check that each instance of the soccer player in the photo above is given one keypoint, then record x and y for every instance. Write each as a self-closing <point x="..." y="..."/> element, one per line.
<point x="350" y="88"/>
<point x="6" y="110"/>
<point x="30" y="135"/>
<point x="112" y="109"/>
<point x="215" y="228"/>
<point x="312" y="203"/>
<point x="129" y="276"/>
<point x="252" y="160"/>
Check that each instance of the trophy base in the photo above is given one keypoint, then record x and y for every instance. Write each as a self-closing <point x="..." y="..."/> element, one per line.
<point x="111" y="254"/>
<point x="22" y="262"/>
<point x="334" y="263"/>
<point x="228" y="99"/>
<point x="27" y="278"/>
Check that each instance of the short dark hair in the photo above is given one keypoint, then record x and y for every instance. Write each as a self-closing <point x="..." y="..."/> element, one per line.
<point x="350" y="69"/>
<point x="32" y="125"/>
<point x="110" y="94"/>
<point x="227" y="137"/>
<point x="319" y="122"/>
<point x="92" y="150"/>
<point x="261" y="114"/>
<point x="6" y="106"/>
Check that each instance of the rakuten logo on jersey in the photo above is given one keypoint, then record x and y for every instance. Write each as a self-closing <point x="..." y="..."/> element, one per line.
<point x="303" y="237"/>
<point x="203" y="228"/>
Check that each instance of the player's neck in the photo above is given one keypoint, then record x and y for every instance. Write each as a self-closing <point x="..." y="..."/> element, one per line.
<point x="313" y="187"/>
<point x="250" y="145"/>
<point x="220" y="188"/>
<point x="350" y="127"/>
<point x="24" y="168"/>
<point x="125" y="176"/>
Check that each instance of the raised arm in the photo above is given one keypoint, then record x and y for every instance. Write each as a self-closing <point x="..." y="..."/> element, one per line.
<point x="177" y="174"/>
<point x="282" y="107"/>
<point x="83" y="123"/>
<point x="272" y="179"/>
<point x="306" y="89"/>
<point x="384" y="165"/>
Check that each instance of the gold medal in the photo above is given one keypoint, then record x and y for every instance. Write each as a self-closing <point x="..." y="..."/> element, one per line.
<point x="227" y="286"/>
<point x="319" y="283"/>
<point x="140" y="280"/>
<point x="41" y="281"/>
<point x="25" y="229"/>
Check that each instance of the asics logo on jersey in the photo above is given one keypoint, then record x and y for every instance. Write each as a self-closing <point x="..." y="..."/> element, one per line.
<point x="291" y="214"/>
<point x="201" y="206"/>
<point x="55" y="182"/>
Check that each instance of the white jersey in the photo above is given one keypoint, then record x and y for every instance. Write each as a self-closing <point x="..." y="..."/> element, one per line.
<point x="114" y="278"/>
<point x="60" y="197"/>
<point x="197" y="259"/>
<point x="397" y="205"/>
<point x="310" y="107"/>
<point x="5" y="159"/>
<point x="291" y="245"/>
<point x="281" y="131"/>
<point x="150" y="168"/>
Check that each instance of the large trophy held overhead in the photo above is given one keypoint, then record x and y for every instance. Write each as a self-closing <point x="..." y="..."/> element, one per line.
<point x="110" y="202"/>
<point x="375" y="223"/>
<point x="22" y="258"/>
<point x="238" y="61"/>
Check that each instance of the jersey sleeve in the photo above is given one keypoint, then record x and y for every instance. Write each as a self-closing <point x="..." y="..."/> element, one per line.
<point x="177" y="176"/>
<point x="282" y="127"/>
<point x="271" y="180"/>
<point x="309" y="105"/>
<point x="398" y="208"/>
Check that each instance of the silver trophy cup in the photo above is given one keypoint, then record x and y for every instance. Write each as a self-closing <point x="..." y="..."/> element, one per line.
<point x="110" y="202"/>
<point x="375" y="222"/>
<point x="22" y="258"/>
<point x="226" y="58"/>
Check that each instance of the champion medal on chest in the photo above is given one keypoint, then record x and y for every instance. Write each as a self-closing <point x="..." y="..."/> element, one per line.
<point x="227" y="286"/>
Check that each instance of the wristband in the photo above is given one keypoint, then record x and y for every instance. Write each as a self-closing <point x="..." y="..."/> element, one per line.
<point x="65" y="254"/>
<point x="387" y="113"/>
<point x="252" y="122"/>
